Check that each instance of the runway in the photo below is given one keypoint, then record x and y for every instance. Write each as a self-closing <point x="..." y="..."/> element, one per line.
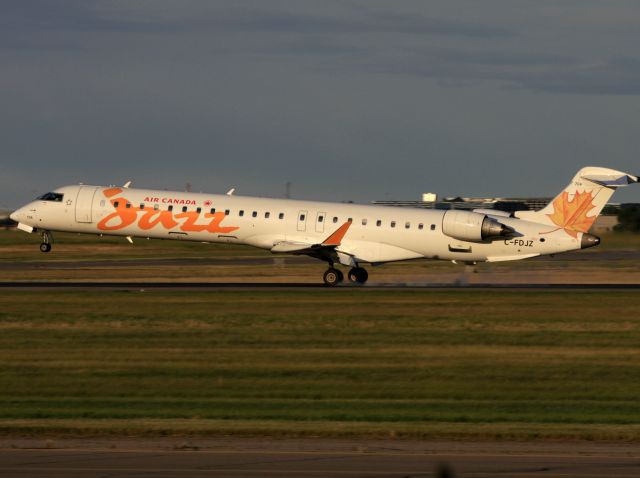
<point x="245" y="458"/>
<point x="122" y="285"/>
<point x="112" y="262"/>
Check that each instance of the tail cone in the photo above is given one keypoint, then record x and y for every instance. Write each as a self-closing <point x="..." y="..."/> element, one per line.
<point x="589" y="240"/>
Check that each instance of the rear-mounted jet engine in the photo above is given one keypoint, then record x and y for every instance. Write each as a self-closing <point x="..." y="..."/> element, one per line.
<point x="473" y="227"/>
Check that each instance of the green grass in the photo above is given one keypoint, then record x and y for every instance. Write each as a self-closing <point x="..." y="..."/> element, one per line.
<point x="518" y="364"/>
<point x="19" y="246"/>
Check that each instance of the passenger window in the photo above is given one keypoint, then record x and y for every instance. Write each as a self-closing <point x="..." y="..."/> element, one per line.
<point x="393" y="223"/>
<point x="184" y="208"/>
<point x="433" y="227"/>
<point x="364" y="222"/>
<point x="170" y="208"/>
<point x="320" y="218"/>
<point x="213" y="210"/>
<point x="266" y="215"/>
<point x="115" y="204"/>
<point x="335" y="219"/>
<point x="378" y="223"/>
<point x="420" y="226"/>
<point x="156" y="207"/>
<point x="128" y="206"/>
<point x="281" y="216"/>
<point x="241" y="213"/>
<point x="350" y="219"/>
<point x="407" y="225"/>
<point x="227" y="212"/>
<point x="302" y="217"/>
<point x="141" y="206"/>
<point x="254" y="214"/>
<point x="198" y="210"/>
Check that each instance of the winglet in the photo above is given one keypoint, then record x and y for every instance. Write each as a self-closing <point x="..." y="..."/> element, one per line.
<point x="336" y="238"/>
<point x="127" y="184"/>
<point x="231" y="191"/>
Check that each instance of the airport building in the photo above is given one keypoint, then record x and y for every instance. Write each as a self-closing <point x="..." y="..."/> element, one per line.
<point x="605" y="222"/>
<point x="431" y="201"/>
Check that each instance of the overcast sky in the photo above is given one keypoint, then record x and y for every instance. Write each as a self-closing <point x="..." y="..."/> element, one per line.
<point x="348" y="100"/>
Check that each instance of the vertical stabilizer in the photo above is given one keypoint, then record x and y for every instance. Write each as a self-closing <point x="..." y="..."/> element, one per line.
<point x="576" y="208"/>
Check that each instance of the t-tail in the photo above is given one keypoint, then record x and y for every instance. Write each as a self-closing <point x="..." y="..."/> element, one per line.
<point x="576" y="208"/>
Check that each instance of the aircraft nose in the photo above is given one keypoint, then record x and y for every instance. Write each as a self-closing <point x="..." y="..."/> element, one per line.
<point x="19" y="214"/>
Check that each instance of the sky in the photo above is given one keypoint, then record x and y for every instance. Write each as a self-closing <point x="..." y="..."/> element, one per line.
<point x="346" y="99"/>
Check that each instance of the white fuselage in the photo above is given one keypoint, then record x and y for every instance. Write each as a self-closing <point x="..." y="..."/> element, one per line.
<point x="377" y="233"/>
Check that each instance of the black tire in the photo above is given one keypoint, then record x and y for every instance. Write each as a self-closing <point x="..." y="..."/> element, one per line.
<point x="45" y="247"/>
<point x="358" y="275"/>
<point x="332" y="277"/>
<point x="340" y="275"/>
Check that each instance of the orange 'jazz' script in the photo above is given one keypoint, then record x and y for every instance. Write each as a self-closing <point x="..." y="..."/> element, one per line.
<point x="148" y="218"/>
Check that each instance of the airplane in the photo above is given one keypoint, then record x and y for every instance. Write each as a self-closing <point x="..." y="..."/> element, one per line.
<point x="340" y="234"/>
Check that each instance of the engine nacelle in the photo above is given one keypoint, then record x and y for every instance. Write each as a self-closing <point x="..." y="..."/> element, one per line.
<point x="471" y="226"/>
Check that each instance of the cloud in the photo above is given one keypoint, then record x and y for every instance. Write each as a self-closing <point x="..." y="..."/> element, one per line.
<point x="549" y="73"/>
<point x="369" y="95"/>
<point x="367" y="21"/>
<point x="353" y="36"/>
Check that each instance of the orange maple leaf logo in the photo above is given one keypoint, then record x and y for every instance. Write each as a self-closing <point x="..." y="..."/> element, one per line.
<point x="572" y="215"/>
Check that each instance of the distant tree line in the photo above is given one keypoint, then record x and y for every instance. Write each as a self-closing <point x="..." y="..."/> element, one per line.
<point x="628" y="218"/>
<point x="5" y="221"/>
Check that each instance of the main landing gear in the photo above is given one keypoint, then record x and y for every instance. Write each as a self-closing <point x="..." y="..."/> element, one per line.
<point x="333" y="276"/>
<point x="358" y="275"/>
<point x="46" y="241"/>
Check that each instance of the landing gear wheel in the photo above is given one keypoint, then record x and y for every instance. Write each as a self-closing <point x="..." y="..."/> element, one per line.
<point x="47" y="239"/>
<point x="332" y="277"/>
<point x="358" y="275"/>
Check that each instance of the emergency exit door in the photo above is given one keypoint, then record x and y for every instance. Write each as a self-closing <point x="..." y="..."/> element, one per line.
<point x="302" y="221"/>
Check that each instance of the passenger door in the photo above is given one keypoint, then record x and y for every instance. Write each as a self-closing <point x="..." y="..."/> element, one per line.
<point x="84" y="204"/>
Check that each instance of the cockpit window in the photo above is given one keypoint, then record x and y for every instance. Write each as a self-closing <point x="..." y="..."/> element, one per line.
<point x="57" y="197"/>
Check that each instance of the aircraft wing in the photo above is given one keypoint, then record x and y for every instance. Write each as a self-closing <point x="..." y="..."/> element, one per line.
<point x="329" y="244"/>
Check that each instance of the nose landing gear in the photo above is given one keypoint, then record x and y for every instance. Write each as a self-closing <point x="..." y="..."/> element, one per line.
<point x="47" y="239"/>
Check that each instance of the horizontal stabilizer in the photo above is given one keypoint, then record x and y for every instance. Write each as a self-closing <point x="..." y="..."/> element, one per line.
<point x="611" y="181"/>
<point x="576" y="207"/>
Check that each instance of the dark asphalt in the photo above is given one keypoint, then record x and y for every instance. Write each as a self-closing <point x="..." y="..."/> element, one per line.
<point x="87" y="285"/>
<point x="238" y="461"/>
